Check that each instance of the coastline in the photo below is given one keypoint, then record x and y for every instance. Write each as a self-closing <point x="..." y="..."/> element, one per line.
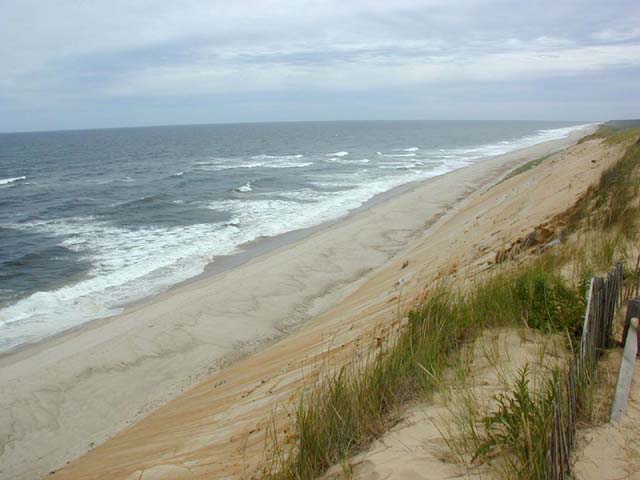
<point x="119" y="368"/>
<point x="247" y="251"/>
<point x="218" y="265"/>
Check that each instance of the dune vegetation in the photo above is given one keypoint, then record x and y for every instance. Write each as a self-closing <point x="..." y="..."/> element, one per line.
<point x="541" y="289"/>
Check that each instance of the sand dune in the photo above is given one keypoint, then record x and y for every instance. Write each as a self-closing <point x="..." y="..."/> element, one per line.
<point x="415" y="448"/>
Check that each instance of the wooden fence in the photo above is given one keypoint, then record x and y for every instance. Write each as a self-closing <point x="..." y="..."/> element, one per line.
<point x="605" y="294"/>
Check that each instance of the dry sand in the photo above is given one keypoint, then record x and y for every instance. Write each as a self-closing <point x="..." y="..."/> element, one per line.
<point x="66" y="395"/>
<point x="416" y="448"/>
<point x="612" y="451"/>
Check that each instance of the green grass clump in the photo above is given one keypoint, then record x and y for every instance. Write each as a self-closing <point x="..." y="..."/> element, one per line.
<point x="550" y="305"/>
<point x="518" y="429"/>
<point x="346" y="411"/>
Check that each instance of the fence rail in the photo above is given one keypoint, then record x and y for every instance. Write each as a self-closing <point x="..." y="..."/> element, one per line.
<point x="605" y="294"/>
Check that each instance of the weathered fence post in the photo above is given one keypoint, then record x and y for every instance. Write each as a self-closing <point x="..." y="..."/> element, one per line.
<point x="586" y="325"/>
<point x="633" y="311"/>
<point x="623" y="385"/>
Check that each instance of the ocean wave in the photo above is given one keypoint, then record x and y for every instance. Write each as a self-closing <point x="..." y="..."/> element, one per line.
<point x="410" y="149"/>
<point x="178" y="174"/>
<point x="348" y="162"/>
<point x="270" y="164"/>
<point x="308" y="195"/>
<point x="244" y="188"/>
<point x="289" y="210"/>
<point x="7" y="181"/>
<point x="398" y="166"/>
<point x="276" y="157"/>
<point x="119" y="273"/>
<point x="502" y="147"/>
<point x="398" y="154"/>
<point x="165" y="255"/>
<point x="216" y="161"/>
<point x="288" y="165"/>
<point x="333" y="186"/>
<point x="338" y="154"/>
<point x="218" y="167"/>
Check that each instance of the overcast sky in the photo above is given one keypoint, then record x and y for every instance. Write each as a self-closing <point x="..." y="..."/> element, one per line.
<point x="82" y="64"/>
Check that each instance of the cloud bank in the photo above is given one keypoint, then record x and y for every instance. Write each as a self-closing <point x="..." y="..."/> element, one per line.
<point x="71" y="64"/>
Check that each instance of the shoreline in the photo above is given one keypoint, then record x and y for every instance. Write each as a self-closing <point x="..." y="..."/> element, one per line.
<point x="224" y="263"/>
<point x="248" y="251"/>
<point x="112" y="352"/>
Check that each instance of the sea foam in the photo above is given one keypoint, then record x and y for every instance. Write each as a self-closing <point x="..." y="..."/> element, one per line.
<point x="7" y="181"/>
<point x="244" y="188"/>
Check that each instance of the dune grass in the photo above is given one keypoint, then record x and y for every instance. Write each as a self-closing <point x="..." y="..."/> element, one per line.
<point x="605" y="228"/>
<point x="518" y="428"/>
<point x="346" y="410"/>
<point x="615" y="200"/>
<point x="524" y="168"/>
<point x="615" y="132"/>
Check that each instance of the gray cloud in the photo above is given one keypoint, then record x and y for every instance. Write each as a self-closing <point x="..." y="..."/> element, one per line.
<point x="70" y="64"/>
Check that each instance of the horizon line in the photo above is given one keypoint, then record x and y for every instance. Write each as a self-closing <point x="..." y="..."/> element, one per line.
<point x="124" y="127"/>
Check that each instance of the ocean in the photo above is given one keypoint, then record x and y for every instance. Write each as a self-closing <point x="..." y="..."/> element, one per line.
<point x="93" y="220"/>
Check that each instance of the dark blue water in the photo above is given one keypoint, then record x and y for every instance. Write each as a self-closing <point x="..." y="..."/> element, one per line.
<point x="91" y="220"/>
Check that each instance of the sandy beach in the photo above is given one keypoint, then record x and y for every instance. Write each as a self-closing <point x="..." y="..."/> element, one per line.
<point x="106" y="380"/>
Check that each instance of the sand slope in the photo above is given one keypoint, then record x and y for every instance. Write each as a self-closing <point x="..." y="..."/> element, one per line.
<point x="416" y="448"/>
<point x="83" y="388"/>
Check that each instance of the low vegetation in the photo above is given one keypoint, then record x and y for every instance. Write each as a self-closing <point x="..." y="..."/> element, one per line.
<point x="615" y="200"/>
<point x="519" y="427"/>
<point x="344" y="412"/>
<point x="524" y="168"/>
<point x="348" y="410"/>
<point x="615" y="132"/>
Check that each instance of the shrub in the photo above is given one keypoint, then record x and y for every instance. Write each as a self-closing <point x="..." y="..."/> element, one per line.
<point x="547" y="303"/>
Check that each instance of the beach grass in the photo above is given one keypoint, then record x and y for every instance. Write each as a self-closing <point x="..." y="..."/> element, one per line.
<point x="525" y="168"/>
<point x="615" y="132"/>
<point x="614" y="203"/>
<point x="514" y="435"/>
<point x="518" y="428"/>
<point x="346" y="410"/>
